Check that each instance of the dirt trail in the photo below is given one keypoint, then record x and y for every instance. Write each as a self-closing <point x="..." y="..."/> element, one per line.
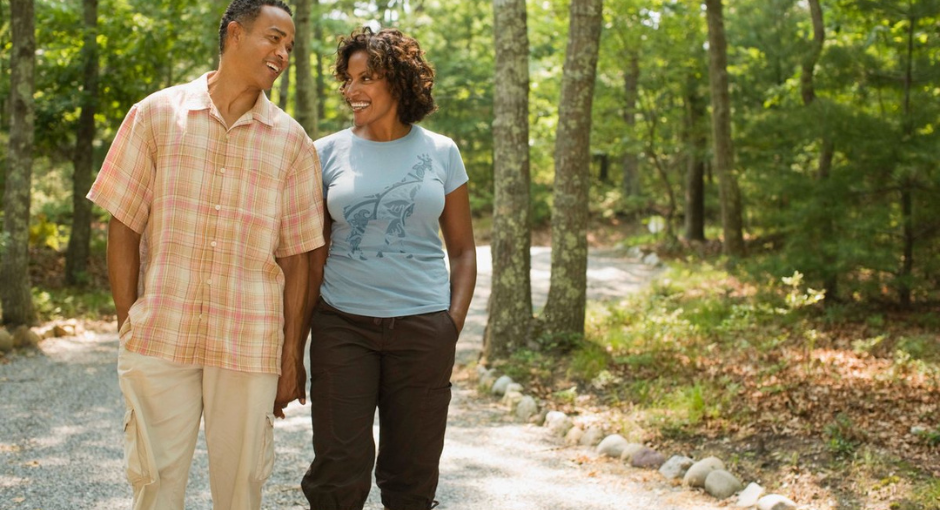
<point x="61" y="446"/>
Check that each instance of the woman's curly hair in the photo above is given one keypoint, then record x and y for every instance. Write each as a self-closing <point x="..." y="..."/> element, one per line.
<point x="398" y="59"/>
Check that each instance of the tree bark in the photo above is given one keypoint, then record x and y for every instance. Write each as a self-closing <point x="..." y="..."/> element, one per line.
<point x="907" y="188"/>
<point x="826" y="153"/>
<point x="304" y="85"/>
<point x="15" y="294"/>
<point x="807" y="87"/>
<point x="283" y="89"/>
<point x="696" y="146"/>
<point x="318" y="58"/>
<point x="631" y="160"/>
<point x="730" y="194"/>
<point x="76" y="260"/>
<point x="510" y="303"/>
<point x="567" y="295"/>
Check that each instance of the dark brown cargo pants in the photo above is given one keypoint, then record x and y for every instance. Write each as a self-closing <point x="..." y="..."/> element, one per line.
<point x="401" y="365"/>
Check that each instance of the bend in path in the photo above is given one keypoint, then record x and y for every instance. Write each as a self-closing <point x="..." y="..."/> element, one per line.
<point x="61" y="444"/>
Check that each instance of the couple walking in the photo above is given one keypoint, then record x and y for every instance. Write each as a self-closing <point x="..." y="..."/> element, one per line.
<point x="232" y="235"/>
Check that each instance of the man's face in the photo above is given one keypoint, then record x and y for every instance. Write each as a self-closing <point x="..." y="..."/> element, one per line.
<point x="261" y="50"/>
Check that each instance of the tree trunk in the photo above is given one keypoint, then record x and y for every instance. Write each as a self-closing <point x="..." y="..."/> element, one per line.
<point x="603" y="160"/>
<point x="15" y="293"/>
<point x="631" y="160"/>
<point x="318" y="37"/>
<point x="827" y="236"/>
<point x="510" y="303"/>
<point x="652" y="122"/>
<point x="283" y="90"/>
<point x="76" y="260"/>
<point x="730" y="195"/>
<point x="907" y="191"/>
<point x="807" y="87"/>
<point x="4" y="101"/>
<point x="567" y="295"/>
<point x="304" y="85"/>
<point x="696" y="146"/>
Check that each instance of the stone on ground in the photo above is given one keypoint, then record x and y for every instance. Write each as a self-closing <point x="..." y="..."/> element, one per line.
<point x="574" y="435"/>
<point x="696" y="475"/>
<point x="629" y="451"/>
<point x="558" y="423"/>
<point x="775" y="502"/>
<point x="6" y="341"/>
<point x="612" y="446"/>
<point x="499" y="387"/>
<point x="647" y="458"/>
<point x="676" y="467"/>
<point x="750" y="495"/>
<point x="592" y="436"/>
<point x="722" y="484"/>
<point x="25" y="337"/>
<point x="527" y="408"/>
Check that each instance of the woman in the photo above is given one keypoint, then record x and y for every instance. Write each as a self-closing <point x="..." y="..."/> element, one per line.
<point x="387" y="321"/>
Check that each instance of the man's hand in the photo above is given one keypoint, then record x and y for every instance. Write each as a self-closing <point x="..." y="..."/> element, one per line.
<point x="291" y="385"/>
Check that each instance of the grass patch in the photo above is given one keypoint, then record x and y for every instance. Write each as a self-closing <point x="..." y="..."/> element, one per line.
<point x="756" y="370"/>
<point x="69" y="303"/>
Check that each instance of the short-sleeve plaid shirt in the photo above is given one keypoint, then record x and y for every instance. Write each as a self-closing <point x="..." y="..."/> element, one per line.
<point x="214" y="207"/>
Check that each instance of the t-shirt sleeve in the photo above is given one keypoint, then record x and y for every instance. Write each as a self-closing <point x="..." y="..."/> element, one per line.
<point x="302" y="220"/>
<point x="124" y="186"/>
<point x="456" y="171"/>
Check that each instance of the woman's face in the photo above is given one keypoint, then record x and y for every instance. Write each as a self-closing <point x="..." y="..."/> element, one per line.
<point x="369" y="95"/>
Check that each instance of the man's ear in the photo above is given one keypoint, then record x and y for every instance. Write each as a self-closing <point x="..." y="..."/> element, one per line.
<point x="235" y="31"/>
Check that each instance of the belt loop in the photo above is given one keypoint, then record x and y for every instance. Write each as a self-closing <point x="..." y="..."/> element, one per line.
<point x="391" y="324"/>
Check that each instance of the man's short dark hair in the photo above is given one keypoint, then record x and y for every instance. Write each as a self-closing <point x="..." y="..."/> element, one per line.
<point x="245" y="12"/>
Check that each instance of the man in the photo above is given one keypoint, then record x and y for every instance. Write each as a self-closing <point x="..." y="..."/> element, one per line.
<point x="216" y="201"/>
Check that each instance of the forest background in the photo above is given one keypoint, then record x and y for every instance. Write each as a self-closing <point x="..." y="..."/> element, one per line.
<point x="779" y="155"/>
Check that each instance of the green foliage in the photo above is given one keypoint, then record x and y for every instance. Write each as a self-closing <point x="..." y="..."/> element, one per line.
<point x="73" y="303"/>
<point x="842" y="436"/>
<point x="526" y="365"/>
<point x="588" y="362"/>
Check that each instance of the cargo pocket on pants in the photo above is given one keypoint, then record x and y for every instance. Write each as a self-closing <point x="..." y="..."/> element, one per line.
<point x="266" y="454"/>
<point x="138" y="461"/>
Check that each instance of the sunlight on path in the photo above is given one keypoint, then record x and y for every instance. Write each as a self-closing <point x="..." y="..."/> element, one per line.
<point x="611" y="275"/>
<point x="61" y="442"/>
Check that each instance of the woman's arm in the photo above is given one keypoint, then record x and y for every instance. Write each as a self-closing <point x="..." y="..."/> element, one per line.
<point x="317" y="261"/>
<point x="461" y="252"/>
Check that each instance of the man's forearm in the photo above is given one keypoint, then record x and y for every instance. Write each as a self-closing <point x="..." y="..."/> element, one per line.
<point x="123" y="267"/>
<point x="296" y="274"/>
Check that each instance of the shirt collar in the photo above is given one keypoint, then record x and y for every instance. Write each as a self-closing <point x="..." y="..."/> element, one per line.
<point x="197" y="98"/>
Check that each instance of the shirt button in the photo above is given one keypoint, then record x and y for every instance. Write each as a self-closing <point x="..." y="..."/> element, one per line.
<point x="222" y="171"/>
<point x="209" y="282"/>
<point x="218" y="207"/>
<point x="213" y="243"/>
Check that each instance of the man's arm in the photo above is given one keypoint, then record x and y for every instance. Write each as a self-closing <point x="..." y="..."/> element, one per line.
<point x="123" y="267"/>
<point x="292" y="383"/>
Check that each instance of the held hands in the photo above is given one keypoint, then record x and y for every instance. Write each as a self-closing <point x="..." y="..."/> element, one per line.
<point x="291" y="385"/>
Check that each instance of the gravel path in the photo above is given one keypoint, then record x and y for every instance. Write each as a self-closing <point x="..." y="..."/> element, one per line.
<point x="61" y="445"/>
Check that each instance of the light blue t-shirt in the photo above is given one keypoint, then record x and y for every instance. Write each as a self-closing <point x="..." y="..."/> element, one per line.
<point x="385" y="199"/>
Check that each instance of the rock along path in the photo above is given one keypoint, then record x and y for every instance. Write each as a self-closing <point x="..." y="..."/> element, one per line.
<point x="61" y="444"/>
